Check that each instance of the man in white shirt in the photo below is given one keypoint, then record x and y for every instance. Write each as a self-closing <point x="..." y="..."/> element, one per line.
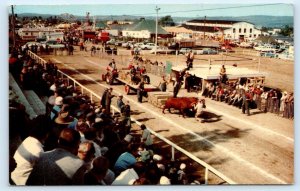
<point x="127" y="177"/>
<point x="30" y="150"/>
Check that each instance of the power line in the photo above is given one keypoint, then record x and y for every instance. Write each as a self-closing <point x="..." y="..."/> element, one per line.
<point x="209" y="9"/>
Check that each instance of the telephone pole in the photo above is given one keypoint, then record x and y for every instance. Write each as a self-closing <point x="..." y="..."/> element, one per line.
<point x="156" y="9"/>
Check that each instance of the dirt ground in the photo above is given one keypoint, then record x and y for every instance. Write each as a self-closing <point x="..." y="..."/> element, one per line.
<point x="256" y="149"/>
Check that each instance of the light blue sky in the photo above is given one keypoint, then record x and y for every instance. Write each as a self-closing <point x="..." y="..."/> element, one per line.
<point x="183" y="10"/>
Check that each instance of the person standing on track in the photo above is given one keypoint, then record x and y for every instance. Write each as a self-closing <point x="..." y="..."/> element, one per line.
<point x="140" y="91"/>
<point x="108" y="98"/>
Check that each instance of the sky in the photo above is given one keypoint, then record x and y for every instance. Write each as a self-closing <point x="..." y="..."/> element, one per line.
<point x="180" y="10"/>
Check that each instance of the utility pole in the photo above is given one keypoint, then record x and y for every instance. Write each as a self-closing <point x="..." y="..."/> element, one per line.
<point x="204" y="28"/>
<point x="156" y="9"/>
<point x="13" y="25"/>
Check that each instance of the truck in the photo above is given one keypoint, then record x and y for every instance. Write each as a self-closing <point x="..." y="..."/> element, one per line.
<point x="103" y="36"/>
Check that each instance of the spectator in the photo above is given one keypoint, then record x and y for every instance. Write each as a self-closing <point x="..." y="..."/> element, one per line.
<point x="127" y="159"/>
<point x="200" y="107"/>
<point x="30" y="150"/>
<point x="127" y="177"/>
<point x="163" y="84"/>
<point x="57" y="107"/>
<point x="140" y="91"/>
<point x="96" y="175"/>
<point x="86" y="152"/>
<point x="146" y="137"/>
<point x="177" y="87"/>
<point x="108" y="98"/>
<point x="60" y="166"/>
<point x="120" y="103"/>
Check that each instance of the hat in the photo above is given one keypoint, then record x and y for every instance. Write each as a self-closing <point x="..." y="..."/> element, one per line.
<point x="285" y="92"/>
<point x="64" y="118"/>
<point x="120" y="95"/>
<point x="128" y="138"/>
<point x="182" y="166"/>
<point x="58" y="100"/>
<point x="97" y="110"/>
<point x="51" y="100"/>
<point x="98" y="119"/>
<point x="164" y="181"/>
<point x="157" y="157"/>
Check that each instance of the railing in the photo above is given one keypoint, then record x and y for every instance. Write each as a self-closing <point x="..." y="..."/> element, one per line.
<point x="208" y="168"/>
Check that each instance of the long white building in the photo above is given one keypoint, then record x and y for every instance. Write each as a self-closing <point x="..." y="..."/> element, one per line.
<point x="234" y="30"/>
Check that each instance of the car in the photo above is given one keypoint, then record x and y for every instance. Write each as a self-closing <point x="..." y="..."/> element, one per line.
<point x="184" y="51"/>
<point x="111" y="42"/>
<point x="29" y="44"/>
<point x="127" y="44"/>
<point x="52" y="44"/>
<point x="162" y="50"/>
<point x="138" y="45"/>
<point x="207" y="51"/>
<point x="118" y="43"/>
<point x="269" y="54"/>
<point x="147" y="46"/>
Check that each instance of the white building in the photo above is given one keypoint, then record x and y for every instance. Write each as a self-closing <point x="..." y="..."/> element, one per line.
<point x="234" y="30"/>
<point x="33" y="33"/>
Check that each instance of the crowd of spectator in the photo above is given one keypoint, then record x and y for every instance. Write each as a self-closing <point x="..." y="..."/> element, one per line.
<point x="252" y="96"/>
<point x="78" y="142"/>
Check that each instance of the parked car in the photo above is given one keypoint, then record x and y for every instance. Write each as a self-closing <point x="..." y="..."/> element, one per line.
<point x="184" y="51"/>
<point x="147" y="46"/>
<point x="128" y="44"/>
<point x="138" y="45"/>
<point x="52" y="44"/>
<point x="269" y="54"/>
<point x="162" y="50"/>
<point x="29" y="44"/>
<point x="111" y="42"/>
<point x="207" y="51"/>
<point x="118" y="43"/>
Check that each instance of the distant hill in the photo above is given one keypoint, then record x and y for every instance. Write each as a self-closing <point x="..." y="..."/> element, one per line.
<point x="257" y="20"/>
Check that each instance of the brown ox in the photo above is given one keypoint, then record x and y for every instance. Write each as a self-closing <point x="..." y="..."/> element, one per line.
<point x="182" y="104"/>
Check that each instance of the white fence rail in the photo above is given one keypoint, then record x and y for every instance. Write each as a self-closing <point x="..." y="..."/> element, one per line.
<point x="208" y="168"/>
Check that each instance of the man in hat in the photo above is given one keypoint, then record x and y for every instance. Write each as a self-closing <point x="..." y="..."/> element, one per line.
<point x="199" y="107"/>
<point x="120" y="102"/>
<point x="60" y="166"/>
<point x="108" y="98"/>
<point x="112" y="64"/>
<point x="57" y="107"/>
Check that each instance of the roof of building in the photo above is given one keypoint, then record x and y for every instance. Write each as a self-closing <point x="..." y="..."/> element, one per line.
<point x="204" y="28"/>
<point x="213" y="21"/>
<point x="149" y="25"/>
<point x="178" y="29"/>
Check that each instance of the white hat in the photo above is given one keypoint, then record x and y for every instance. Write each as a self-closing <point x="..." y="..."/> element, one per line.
<point x="97" y="110"/>
<point x="164" y="181"/>
<point x="157" y="157"/>
<point x="182" y="166"/>
<point x="98" y="119"/>
<point x="58" y="100"/>
<point x="128" y="138"/>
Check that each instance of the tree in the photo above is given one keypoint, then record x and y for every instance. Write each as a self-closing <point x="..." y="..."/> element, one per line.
<point x="166" y="21"/>
<point x="287" y="31"/>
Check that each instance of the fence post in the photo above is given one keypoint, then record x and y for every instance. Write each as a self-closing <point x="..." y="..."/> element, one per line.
<point x="206" y="175"/>
<point x="91" y="97"/>
<point x="173" y="154"/>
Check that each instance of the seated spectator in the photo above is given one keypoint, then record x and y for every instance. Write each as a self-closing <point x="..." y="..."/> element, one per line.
<point x="127" y="177"/>
<point x="30" y="150"/>
<point x="95" y="176"/>
<point x="60" y="166"/>
<point x="127" y="159"/>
